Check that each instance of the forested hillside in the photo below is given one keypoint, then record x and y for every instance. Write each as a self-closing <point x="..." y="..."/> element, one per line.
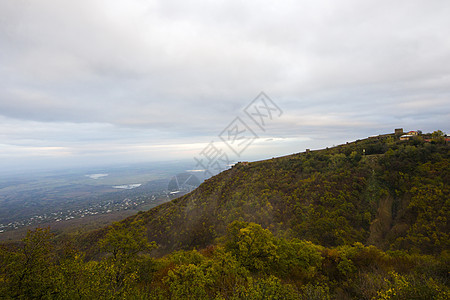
<point x="381" y="191"/>
<point x="364" y="220"/>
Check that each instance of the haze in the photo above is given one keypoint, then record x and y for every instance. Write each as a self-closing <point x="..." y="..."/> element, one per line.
<point x="100" y="82"/>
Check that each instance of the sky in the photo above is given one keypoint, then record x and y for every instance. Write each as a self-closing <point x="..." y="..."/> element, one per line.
<point x="92" y="82"/>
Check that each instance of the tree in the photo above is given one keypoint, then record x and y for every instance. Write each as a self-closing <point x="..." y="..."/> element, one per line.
<point x="298" y="259"/>
<point x="438" y="137"/>
<point x="29" y="272"/>
<point x="253" y="246"/>
<point x="124" y="241"/>
<point x="188" y="282"/>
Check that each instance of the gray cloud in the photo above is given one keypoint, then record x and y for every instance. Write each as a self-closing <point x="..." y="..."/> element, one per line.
<point x="90" y="75"/>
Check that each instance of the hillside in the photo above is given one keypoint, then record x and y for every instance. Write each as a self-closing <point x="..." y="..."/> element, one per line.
<point x="380" y="191"/>
<point x="364" y="220"/>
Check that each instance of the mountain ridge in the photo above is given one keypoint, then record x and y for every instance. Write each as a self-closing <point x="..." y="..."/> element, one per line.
<point x="356" y="192"/>
<point x="300" y="226"/>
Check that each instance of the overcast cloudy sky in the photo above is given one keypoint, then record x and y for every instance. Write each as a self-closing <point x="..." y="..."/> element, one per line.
<point x="90" y="82"/>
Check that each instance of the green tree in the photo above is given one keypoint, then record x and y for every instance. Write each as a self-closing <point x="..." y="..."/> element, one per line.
<point x="226" y="272"/>
<point x="29" y="272"/>
<point x="438" y="137"/>
<point x="253" y="246"/>
<point x="188" y="282"/>
<point x="123" y="242"/>
<point x="298" y="259"/>
<point x="268" y="288"/>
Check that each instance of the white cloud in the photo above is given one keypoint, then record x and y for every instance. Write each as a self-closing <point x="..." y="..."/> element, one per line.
<point x="96" y="74"/>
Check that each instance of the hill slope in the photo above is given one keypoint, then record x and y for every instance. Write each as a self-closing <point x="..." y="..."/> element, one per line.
<point x="287" y="228"/>
<point x="381" y="191"/>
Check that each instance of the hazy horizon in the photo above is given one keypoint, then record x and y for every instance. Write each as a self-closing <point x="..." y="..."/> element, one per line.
<point x="91" y="83"/>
